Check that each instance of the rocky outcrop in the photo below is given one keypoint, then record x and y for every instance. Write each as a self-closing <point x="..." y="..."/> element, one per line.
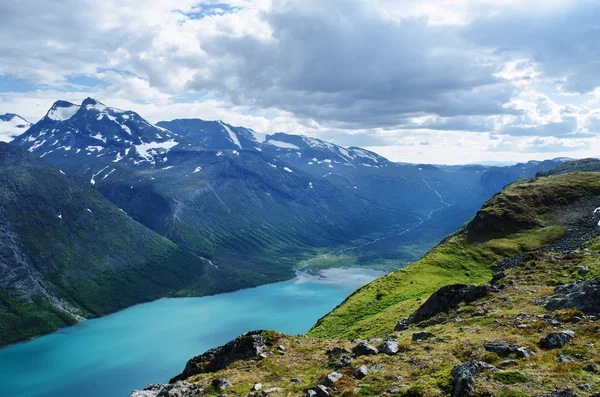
<point x="180" y="389"/>
<point x="504" y="349"/>
<point x="389" y="347"/>
<point x="463" y="376"/>
<point x="442" y="300"/>
<point x="556" y="340"/>
<point x="246" y="346"/>
<point x="364" y="349"/>
<point x="420" y="336"/>
<point x="563" y="393"/>
<point x="584" y="295"/>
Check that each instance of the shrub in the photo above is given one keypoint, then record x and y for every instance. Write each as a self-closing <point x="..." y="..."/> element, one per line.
<point x="510" y="378"/>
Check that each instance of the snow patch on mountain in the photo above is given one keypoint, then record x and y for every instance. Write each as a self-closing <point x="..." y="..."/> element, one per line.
<point x="283" y="145"/>
<point x="11" y="126"/>
<point x="60" y="112"/>
<point x="232" y="136"/>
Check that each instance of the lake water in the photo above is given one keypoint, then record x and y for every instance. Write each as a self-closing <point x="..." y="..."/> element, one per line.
<point x="151" y="342"/>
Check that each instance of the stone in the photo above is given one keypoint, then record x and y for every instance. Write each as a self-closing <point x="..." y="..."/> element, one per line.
<point x="585" y="387"/>
<point x="389" y="347"/>
<point x="336" y="351"/>
<point x="420" y="336"/>
<point x="556" y="340"/>
<point x="344" y="362"/>
<point x="281" y="348"/>
<point x="448" y="297"/>
<point x="593" y="368"/>
<point x="272" y="390"/>
<point x="583" y="295"/>
<point x="362" y="371"/>
<point x="402" y="325"/>
<point x="221" y="383"/>
<point x="364" y="349"/>
<point x="311" y="393"/>
<point x="508" y="363"/>
<point x="179" y="389"/>
<point x="295" y="380"/>
<point x="321" y="391"/>
<point x="524" y="352"/>
<point x="246" y="346"/>
<point x="562" y="393"/>
<point x="564" y="359"/>
<point x="376" y="367"/>
<point x="257" y="386"/>
<point x="504" y="349"/>
<point x="583" y="270"/>
<point x="463" y="376"/>
<point x="332" y="378"/>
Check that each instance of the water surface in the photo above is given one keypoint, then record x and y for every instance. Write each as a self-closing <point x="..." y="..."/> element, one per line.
<point x="151" y="342"/>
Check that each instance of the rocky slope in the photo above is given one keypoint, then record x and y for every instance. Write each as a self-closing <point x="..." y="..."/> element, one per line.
<point x="67" y="253"/>
<point x="507" y="306"/>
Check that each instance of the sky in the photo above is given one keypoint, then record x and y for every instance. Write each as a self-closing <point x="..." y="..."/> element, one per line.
<point x="422" y="81"/>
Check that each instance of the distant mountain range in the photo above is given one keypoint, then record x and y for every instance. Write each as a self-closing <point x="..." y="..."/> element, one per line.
<point x="234" y="207"/>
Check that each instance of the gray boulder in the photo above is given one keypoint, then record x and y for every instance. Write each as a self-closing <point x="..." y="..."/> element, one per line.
<point x="389" y="347"/>
<point x="221" y="383"/>
<point x="246" y="346"/>
<point x="318" y="391"/>
<point x="562" y="393"/>
<point x="556" y="340"/>
<point x="332" y="378"/>
<point x="179" y="389"/>
<point x="362" y="371"/>
<point x="364" y="349"/>
<point x="504" y="349"/>
<point x="344" y="362"/>
<point x="583" y="295"/>
<point x="464" y="375"/>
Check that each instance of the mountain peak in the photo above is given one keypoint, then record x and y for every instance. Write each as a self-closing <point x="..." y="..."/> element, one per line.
<point x="91" y="103"/>
<point x="62" y="110"/>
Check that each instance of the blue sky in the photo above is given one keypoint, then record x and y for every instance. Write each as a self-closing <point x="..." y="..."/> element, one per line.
<point x="438" y="81"/>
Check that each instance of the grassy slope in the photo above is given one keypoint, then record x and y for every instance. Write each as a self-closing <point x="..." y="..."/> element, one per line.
<point x="512" y="217"/>
<point x="519" y="219"/>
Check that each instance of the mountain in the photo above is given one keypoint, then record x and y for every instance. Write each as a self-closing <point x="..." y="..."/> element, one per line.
<point x="67" y="253"/>
<point x="496" y="178"/>
<point x="12" y="125"/>
<point x="507" y="306"/>
<point x="583" y="165"/>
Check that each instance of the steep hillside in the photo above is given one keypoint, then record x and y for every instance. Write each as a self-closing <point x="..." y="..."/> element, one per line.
<point x="584" y="165"/>
<point x="508" y="306"/>
<point x="66" y="252"/>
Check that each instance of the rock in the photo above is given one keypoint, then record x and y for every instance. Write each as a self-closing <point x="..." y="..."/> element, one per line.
<point x="336" y="351"/>
<point x="389" y="347"/>
<point x="344" y="362"/>
<point x="402" y="325"/>
<point x="420" y="336"/>
<point x="585" y="387"/>
<point x="311" y="393"/>
<point x="257" y="386"/>
<point x="464" y="375"/>
<point x="281" y="348"/>
<point x="320" y="391"/>
<point x="593" y="368"/>
<point x="221" y="383"/>
<point x="500" y="347"/>
<point x="556" y="340"/>
<point x="295" y="380"/>
<point x="583" y="270"/>
<point x="448" y="297"/>
<point x="271" y="390"/>
<point x="332" y="378"/>
<point x="179" y="389"/>
<point x="246" y="346"/>
<point x="564" y="359"/>
<point x="376" y="367"/>
<point x="524" y="352"/>
<point x="583" y="295"/>
<point x="362" y="371"/>
<point x="364" y="349"/>
<point x="563" y="393"/>
<point x="508" y="363"/>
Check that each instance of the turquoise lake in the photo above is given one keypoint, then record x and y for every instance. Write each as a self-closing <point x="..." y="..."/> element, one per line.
<point x="151" y="342"/>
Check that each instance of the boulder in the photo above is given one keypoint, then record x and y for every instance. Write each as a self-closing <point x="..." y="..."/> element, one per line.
<point x="420" y="336"/>
<point x="564" y="359"/>
<point x="504" y="349"/>
<point x="246" y="346"/>
<point x="364" y="349"/>
<point x="319" y="391"/>
<point x="221" y="383"/>
<point x="344" y="362"/>
<point x="448" y="297"/>
<point x="556" y="340"/>
<point x="562" y="393"/>
<point x="402" y="325"/>
<point x="332" y="378"/>
<point x="593" y="368"/>
<point x="272" y="390"/>
<point x="389" y="347"/>
<point x="362" y="371"/>
<point x="463" y="376"/>
<point x="583" y="295"/>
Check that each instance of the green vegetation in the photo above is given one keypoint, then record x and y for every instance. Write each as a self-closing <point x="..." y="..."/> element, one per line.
<point x="510" y="378"/>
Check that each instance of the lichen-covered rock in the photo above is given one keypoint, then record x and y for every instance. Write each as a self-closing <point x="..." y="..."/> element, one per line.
<point x="584" y="295"/>
<point x="344" y="362"/>
<point x="556" y="340"/>
<point x="362" y="371"/>
<point x="246" y="346"/>
<point x="505" y="349"/>
<point x="464" y="375"/>
<point x="364" y="349"/>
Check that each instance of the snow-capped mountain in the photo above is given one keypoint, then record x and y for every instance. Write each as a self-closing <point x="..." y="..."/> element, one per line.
<point x="293" y="148"/>
<point x="93" y="129"/>
<point x="11" y="126"/>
